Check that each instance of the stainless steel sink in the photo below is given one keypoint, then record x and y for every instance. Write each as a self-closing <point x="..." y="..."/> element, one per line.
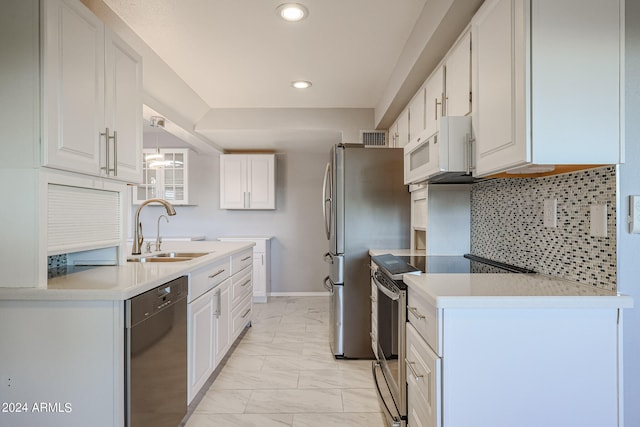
<point x="168" y="257"/>
<point x="181" y="254"/>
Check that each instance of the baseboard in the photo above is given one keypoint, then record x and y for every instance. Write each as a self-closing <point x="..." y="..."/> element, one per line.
<point x="299" y="294"/>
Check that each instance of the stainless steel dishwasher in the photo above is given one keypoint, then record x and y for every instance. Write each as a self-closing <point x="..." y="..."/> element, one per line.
<point x="156" y="356"/>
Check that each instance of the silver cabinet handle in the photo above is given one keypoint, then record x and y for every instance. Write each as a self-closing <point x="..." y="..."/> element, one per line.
<point x="245" y="283"/>
<point x="115" y="153"/>
<point x="107" y="139"/>
<point x="246" y="258"/>
<point x="435" y="109"/>
<point x="416" y="313"/>
<point x="247" y="312"/>
<point x="412" y="369"/>
<point x="106" y="144"/>
<point x="218" y="308"/>
<point x="211" y="276"/>
<point x="245" y="203"/>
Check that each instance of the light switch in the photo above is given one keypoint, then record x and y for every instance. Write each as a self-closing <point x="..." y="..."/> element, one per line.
<point x="598" y="220"/>
<point x="551" y="213"/>
<point x="634" y="214"/>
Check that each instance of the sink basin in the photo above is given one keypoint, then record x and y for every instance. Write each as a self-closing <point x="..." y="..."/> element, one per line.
<point x="181" y="254"/>
<point x="157" y="259"/>
<point x="168" y="257"/>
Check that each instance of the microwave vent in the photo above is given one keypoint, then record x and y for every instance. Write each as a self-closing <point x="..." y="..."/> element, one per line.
<point x="373" y="138"/>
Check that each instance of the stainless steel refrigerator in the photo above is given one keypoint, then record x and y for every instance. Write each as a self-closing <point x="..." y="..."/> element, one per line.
<point x="365" y="206"/>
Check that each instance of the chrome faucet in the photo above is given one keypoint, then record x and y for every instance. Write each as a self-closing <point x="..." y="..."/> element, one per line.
<point x="158" y="238"/>
<point x="138" y="238"/>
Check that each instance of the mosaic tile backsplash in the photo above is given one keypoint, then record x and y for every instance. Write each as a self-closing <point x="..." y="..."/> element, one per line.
<point x="508" y="225"/>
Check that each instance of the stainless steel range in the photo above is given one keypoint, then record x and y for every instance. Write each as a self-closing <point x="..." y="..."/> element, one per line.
<point x="389" y="370"/>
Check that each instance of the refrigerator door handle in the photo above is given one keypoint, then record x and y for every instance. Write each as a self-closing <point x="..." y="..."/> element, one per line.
<point x="326" y="217"/>
<point x="328" y="285"/>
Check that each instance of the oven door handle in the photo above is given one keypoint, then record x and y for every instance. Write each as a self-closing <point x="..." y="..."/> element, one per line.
<point x="394" y="296"/>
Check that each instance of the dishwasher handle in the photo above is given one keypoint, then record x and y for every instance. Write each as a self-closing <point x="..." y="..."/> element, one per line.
<point x="144" y="306"/>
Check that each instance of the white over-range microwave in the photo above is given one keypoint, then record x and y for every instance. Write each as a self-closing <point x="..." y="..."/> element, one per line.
<point x="445" y="156"/>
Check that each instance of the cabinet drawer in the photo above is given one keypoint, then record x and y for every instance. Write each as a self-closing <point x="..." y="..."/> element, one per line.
<point x="203" y="279"/>
<point x="241" y="286"/>
<point x="241" y="260"/>
<point x="423" y="381"/>
<point x="424" y="317"/>
<point x="241" y="316"/>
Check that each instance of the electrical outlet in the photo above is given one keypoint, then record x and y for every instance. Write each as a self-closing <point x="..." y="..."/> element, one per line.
<point x="634" y="214"/>
<point x="550" y="213"/>
<point x="598" y="220"/>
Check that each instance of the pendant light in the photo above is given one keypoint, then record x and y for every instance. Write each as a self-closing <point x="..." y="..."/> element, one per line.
<point x="155" y="159"/>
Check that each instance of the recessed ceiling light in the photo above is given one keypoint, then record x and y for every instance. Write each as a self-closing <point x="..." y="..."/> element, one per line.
<point x="292" y="11"/>
<point x="301" y="84"/>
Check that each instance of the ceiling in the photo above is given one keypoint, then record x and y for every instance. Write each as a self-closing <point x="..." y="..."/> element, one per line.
<point x="241" y="54"/>
<point x="222" y="69"/>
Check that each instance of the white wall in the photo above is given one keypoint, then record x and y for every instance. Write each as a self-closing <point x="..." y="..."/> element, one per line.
<point x="296" y="224"/>
<point x="629" y="244"/>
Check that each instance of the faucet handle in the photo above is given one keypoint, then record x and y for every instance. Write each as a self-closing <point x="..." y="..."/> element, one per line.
<point x="148" y="247"/>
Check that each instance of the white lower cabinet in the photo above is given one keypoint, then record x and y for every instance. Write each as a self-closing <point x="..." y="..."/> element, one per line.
<point x="201" y="342"/>
<point x="424" y="382"/>
<point x="218" y="309"/>
<point x="261" y="280"/>
<point x="511" y="364"/>
<point x="222" y="320"/>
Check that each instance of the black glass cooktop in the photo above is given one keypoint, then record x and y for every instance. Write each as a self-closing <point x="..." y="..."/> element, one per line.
<point x="397" y="265"/>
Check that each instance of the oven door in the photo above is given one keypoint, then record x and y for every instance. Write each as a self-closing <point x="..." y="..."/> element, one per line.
<point x="390" y="372"/>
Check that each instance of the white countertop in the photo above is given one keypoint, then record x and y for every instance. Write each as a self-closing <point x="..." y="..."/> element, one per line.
<point x="510" y="291"/>
<point x="243" y="238"/>
<point x="487" y="290"/>
<point x="128" y="280"/>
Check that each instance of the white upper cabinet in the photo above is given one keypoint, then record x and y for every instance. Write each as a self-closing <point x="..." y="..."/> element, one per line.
<point x="399" y="130"/>
<point x="165" y="176"/>
<point x="458" y="78"/>
<point x="73" y="87"/>
<point x="417" y="119"/>
<point x="247" y="181"/>
<point x="92" y="95"/>
<point x="547" y="78"/>
<point x="123" y="93"/>
<point x="434" y="87"/>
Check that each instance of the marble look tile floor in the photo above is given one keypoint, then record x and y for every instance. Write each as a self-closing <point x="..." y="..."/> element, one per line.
<point x="282" y="373"/>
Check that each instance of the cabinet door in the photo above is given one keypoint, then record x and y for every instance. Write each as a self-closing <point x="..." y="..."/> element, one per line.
<point x="433" y="108"/>
<point x="259" y="277"/>
<point x="169" y="181"/>
<point x="393" y="135"/>
<point x="233" y="181"/>
<point x="261" y="181"/>
<point x="222" y="321"/>
<point x="201" y="342"/>
<point x="123" y="92"/>
<point x="417" y="114"/>
<point x="497" y="101"/>
<point x="403" y="129"/>
<point x="458" y="78"/>
<point x="424" y="371"/>
<point x="73" y="87"/>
